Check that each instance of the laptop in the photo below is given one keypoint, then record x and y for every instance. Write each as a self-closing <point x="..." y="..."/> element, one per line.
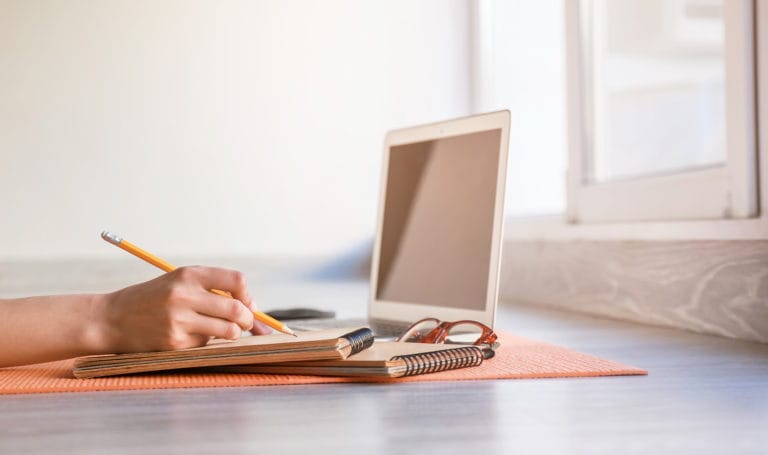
<point x="438" y="238"/>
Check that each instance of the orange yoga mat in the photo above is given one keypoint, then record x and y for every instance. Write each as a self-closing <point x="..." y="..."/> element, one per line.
<point x="517" y="358"/>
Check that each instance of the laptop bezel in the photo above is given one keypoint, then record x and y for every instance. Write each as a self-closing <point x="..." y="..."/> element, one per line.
<point x="379" y="309"/>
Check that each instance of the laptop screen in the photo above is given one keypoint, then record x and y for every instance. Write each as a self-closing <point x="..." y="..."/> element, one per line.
<point x="438" y="222"/>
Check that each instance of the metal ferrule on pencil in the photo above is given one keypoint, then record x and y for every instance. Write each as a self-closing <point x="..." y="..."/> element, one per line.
<point x="111" y="238"/>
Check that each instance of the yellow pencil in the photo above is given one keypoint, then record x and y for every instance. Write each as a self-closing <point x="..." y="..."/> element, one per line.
<point x="168" y="267"/>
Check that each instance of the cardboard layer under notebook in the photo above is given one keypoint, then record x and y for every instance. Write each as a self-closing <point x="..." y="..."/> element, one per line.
<point x="517" y="358"/>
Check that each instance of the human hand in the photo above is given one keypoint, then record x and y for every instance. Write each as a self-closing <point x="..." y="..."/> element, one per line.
<point x="176" y="311"/>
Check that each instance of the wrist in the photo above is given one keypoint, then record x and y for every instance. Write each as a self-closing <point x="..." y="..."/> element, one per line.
<point x="97" y="334"/>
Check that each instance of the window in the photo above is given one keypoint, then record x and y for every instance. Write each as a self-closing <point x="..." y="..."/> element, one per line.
<point x="661" y="110"/>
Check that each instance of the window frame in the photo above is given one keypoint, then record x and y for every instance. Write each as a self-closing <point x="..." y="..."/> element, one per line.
<point x="721" y="192"/>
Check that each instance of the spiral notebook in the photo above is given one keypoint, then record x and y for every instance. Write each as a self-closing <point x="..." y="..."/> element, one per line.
<point x="318" y="345"/>
<point x="384" y="359"/>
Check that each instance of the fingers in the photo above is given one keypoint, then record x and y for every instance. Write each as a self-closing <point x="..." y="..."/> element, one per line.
<point x="230" y="281"/>
<point x="259" y="328"/>
<point x="236" y="310"/>
<point x="229" y="310"/>
<point x="219" y="328"/>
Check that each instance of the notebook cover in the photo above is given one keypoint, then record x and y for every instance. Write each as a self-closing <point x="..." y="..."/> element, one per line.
<point x="517" y="358"/>
<point x="316" y="345"/>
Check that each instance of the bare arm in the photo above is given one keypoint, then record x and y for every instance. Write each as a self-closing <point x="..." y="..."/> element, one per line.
<point x="173" y="311"/>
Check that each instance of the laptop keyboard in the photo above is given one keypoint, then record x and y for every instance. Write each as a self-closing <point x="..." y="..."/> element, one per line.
<point x="388" y="329"/>
<point x="383" y="329"/>
<point x="325" y="323"/>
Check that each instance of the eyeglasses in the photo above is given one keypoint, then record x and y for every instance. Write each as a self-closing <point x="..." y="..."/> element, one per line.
<point x="435" y="331"/>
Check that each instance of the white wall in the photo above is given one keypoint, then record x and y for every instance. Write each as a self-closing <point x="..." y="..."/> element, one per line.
<point x="212" y="128"/>
<point x="522" y="68"/>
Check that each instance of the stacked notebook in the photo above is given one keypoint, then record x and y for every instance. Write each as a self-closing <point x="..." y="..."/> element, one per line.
<point x="337" y="352"/>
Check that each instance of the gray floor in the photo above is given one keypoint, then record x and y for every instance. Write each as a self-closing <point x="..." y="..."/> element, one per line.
<point x="703" y="395"/>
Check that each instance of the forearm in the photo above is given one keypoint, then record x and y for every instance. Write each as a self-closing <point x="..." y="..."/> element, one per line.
<point x="41" y="329"/>
<point x="174" y="311"/>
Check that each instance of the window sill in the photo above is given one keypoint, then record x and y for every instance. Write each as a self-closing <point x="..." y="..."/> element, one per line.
<point x="555" y="227"/>
<point x="708" y="277"/>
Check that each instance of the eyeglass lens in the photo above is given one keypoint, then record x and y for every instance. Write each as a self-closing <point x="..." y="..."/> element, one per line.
<point x="427" y="331"/>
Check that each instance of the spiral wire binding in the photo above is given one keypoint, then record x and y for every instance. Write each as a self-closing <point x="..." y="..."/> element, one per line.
<point x="432" y="362"/>
<point x="360" y="339"/>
